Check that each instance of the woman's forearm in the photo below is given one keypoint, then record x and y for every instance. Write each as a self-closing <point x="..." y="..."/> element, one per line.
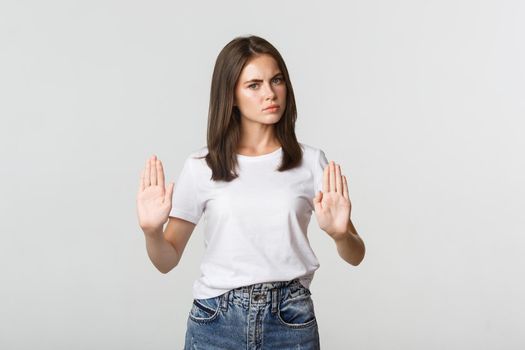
<point x="161" y="253"/>
<point x="351" y="247"/>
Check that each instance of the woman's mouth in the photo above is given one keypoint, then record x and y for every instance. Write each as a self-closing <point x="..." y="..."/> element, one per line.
<point x="271" y="109"/>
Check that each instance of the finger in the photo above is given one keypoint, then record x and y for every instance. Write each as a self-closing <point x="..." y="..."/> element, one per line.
<point x="160" y="174"/>
<point x="317" y="201"/>
<point x="345" y="188"/>
<point x="326" y="183"/>
<point x="147" y="181"/>
<point x="338" y="180"/>
<point x="332" y="176"/>
<point x="153" y="170"/>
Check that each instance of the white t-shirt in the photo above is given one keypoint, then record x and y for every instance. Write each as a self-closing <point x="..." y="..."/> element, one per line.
<point x="256" y="224"/>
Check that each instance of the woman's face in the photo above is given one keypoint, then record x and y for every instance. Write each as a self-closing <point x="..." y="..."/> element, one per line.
<point x="260" y="85"/>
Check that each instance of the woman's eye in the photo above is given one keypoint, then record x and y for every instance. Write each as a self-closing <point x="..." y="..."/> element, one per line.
<point x="251" y="86"/>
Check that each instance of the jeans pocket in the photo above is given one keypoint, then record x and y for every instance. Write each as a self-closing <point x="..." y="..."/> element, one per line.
<point x="296" y="310"/>
<point x="205" y="310"/>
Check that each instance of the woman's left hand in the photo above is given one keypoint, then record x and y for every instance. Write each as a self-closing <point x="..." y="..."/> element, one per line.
<point x="332" y="205"/>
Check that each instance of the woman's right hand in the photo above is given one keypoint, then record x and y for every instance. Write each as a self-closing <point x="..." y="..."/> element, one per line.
<point x="153" y="199"/>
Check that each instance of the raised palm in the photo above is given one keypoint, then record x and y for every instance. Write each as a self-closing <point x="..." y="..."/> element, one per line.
<point x="153" y="198"/>
<point x="332" y="205"/>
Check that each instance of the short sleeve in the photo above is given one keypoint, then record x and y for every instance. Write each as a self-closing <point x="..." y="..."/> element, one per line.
<point x="320" y="163"/>
<point x="186" y="202"/>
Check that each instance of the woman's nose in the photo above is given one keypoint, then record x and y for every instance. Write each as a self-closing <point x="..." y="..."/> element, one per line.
<point x="269" y="93"/>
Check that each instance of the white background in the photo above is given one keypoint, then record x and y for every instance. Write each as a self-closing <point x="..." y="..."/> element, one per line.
<point x="421" y="102"/>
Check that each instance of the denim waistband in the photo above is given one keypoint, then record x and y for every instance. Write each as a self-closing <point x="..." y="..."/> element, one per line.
<point x="264" y="287"/>
<point x="258" y="294"/>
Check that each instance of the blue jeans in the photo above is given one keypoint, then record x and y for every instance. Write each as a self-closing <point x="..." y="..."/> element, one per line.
<point x="262" y="316"/>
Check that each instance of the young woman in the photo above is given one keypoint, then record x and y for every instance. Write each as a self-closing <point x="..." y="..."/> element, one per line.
<point x="257" y="186"/>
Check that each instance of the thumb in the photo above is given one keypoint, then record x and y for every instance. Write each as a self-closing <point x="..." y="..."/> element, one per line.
<point x="317" y="200"/>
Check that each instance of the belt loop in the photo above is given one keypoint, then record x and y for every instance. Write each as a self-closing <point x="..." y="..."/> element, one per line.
<point x="275" y="300"/>
<point x="224" y="301"/>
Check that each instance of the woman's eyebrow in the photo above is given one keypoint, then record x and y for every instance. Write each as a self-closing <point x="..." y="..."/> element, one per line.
<point x="260" y="80"/>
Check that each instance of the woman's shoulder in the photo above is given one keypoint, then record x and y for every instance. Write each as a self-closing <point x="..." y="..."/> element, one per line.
<point x="197" y="156"/>
<point x="310" y="150"/>
<point x="307" y="148"/>
<point x="199" y="152"/>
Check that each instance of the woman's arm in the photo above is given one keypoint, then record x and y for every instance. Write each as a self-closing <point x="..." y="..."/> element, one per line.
<point x="351" y="247"/>
<point x="332" y="209"/>
<point x="166" y="248"/>
<point x="161" y="253"/>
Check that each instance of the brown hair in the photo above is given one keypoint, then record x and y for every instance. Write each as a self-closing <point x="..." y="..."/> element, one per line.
<point x="224" y="119"/>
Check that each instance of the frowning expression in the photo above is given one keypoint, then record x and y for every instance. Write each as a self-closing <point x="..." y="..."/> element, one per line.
<point x="261" y="85"/>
